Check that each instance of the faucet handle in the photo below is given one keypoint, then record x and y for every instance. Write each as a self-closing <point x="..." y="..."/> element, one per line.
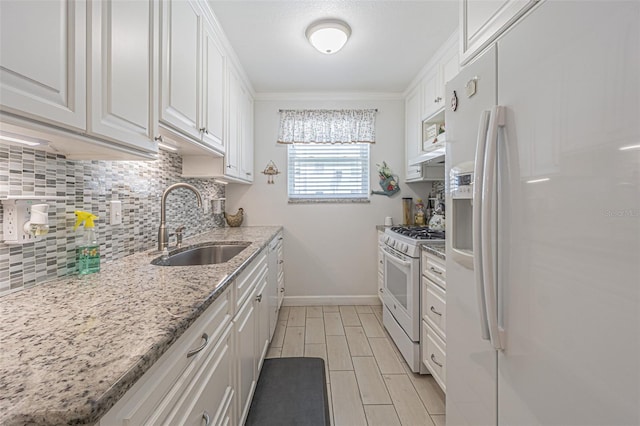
<point x="179" y="231"/>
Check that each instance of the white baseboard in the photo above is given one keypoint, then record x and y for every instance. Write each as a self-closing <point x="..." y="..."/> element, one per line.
<point x="330" y="300"/>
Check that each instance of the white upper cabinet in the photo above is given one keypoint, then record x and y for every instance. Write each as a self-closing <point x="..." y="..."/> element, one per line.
<point x="234" y="125"/>
<point x="424" y="108"/>
<point x="213" y="89"/>
<point x="43" y="60"/>
<point x="192" y="75"/>
<point x="433" y="82"/>
<point x="246" y="141"/>
<point x="180" y="69"/>
<point x="122" y="71"/>
<point x="482" y="21"/>
<point x="412" y="134"/>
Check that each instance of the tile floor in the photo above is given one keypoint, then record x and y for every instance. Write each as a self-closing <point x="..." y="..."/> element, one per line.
<point x="368" y="381"/>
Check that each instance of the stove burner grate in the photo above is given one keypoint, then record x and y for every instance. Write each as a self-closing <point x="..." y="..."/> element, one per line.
<point x="419" y="232"/>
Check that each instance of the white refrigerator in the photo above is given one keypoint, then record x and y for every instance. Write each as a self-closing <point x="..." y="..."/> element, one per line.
<point x="543" y="203"/>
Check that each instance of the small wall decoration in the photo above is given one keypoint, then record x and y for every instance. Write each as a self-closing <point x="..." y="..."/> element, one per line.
<point x="271" y="170"/>
<point x="388" y="181"/>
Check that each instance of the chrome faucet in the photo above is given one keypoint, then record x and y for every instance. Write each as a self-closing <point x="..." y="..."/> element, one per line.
<point x="163" y="237"/>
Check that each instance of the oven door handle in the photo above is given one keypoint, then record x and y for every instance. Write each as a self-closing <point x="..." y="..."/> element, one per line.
<point x="396" y="260"/>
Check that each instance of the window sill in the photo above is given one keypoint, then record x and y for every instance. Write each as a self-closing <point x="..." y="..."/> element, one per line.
<point x="329" y="200"/>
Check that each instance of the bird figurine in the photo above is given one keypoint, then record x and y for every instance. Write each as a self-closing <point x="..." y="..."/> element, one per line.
<point x="235" y="219"/>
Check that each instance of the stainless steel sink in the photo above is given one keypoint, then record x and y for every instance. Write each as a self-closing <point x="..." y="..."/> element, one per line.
<point x="205" y="254"/>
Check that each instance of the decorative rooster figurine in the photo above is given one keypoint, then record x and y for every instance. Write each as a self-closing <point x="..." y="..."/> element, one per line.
<point x="235" y="219"/>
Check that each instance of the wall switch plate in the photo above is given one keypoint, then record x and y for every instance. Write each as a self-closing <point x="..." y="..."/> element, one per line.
<point x="116" y="212"/>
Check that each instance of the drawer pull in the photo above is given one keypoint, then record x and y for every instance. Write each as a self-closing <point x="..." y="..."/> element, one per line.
<point x="280" y="262"/>
<point x="206" y="418"/>
<point x="259" y="298"/>
<point x="432" y="309"/>
<point x="433" y="358"/>
<point x="280" y="238"/>
<point x="192" y="352"/>
<point x="434" y="270"/>
<point x="282" y="290"/>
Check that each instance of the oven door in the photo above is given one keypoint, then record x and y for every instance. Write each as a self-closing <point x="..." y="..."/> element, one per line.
<point x="402" y="291"/>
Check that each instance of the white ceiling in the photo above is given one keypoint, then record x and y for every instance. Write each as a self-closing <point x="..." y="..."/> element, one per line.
<point x="390" y="42"/>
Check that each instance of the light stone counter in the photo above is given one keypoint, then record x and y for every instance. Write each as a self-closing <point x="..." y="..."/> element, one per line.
<point x="70" y="348"/>
<point x="435" y="248"/>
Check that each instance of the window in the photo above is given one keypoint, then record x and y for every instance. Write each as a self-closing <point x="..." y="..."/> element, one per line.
<point x="328" y="172"/>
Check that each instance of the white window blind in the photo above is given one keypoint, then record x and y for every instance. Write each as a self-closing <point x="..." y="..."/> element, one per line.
<point x="328" y="172"/>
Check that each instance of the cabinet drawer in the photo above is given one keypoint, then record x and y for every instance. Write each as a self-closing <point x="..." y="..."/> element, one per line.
<point x="434" y="354"/>
<point x="247" y="278"/>
<point x="434" y="268"/>
<point x="210" y="393"/>
<point x="163" y="384"/>
<point x="434" y="308"/>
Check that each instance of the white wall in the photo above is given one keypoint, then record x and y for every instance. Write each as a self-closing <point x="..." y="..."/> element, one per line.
<point x="330" y="249"/>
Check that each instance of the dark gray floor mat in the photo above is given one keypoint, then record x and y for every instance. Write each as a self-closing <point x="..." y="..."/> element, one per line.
<point x="290" y="392"/>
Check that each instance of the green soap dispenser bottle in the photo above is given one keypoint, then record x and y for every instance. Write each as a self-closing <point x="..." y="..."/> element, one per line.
<point x="88" y="252"/>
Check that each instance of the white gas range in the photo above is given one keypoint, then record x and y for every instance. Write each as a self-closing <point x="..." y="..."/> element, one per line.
<point x="401" y="291"/>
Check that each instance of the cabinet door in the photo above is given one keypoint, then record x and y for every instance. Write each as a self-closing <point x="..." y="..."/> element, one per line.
<point x="431" y="93"/>
<point x="413" y="133"/>
<point x="213" y="62"/>
<point x="208" y="398"/>
<point x="232" y="151"/>
<point x="43" y="60"/>
<point x="262" y="321"/>
<point x="483" y="21"/>
<point x="245" y="330"/>
<point x="122" y="71"/>
<point x="246" y="147"/>
<point x="280" y="275"/>
<point x="180" y="69"/>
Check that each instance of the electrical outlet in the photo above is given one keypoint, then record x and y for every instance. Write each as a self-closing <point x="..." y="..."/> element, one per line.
<point x="10" y="222"/>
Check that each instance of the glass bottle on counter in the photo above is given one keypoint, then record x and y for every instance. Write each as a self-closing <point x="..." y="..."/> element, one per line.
<point x="420" y="217"/>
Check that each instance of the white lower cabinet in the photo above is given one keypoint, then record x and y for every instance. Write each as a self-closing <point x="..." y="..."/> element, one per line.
<point x="208" y="376"/>
<point x="433" y="308"/>
<point x="245" y="330"/>
<point x="155" y="394"/>
<point x="209" y="396"/>
<point x="380" y="265"/>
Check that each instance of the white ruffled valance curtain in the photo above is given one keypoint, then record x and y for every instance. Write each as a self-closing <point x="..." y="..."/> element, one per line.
<point x="327" y="126"/>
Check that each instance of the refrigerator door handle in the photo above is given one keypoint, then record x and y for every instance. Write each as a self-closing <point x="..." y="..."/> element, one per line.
<point x="488" y="218"/>
<point x="476" y="225"/>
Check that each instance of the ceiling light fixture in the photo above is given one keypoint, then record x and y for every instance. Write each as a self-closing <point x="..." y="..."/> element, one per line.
<point x="328" y="35"/>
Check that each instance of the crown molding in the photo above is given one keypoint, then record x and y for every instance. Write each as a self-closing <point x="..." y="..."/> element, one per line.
<point x="328" y="96"/>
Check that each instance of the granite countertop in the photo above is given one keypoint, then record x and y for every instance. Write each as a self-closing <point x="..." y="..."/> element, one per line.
<point x="435" y="248"/>
<point x="72" y="347"/>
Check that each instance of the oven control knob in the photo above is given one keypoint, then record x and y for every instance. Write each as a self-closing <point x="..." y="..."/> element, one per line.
<point x="393" y="243"/>
<point x="405" y="248"/>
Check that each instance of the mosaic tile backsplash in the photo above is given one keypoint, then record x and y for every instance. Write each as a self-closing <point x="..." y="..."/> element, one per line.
<point x="90" y="186"/>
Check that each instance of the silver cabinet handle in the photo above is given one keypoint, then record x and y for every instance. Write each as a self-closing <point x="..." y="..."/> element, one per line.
<point x="192" y="352"/>
<point x="203" y="130"/>
<point x="432" y="309"/>
<point x="382" y="290"/>
<point x="159" y="139"/>
<point x="280" y="262"/>
<point x="259" y="298"/>
<point x="280" y="238"/>
<point x="206" y="418"/>
<point x="433" y="358"/>
<point x="282" y="290"/>
<point x="438" y="99"/>
<point x="248" y="174"/>
<point x="434" y="270"/>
